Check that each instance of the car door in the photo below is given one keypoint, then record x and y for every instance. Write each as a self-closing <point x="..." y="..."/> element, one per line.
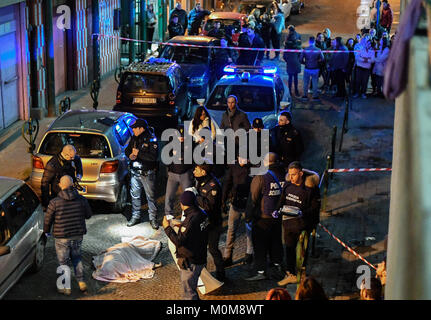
<point x="21" y="228"/>
<point x="7" y="265"/>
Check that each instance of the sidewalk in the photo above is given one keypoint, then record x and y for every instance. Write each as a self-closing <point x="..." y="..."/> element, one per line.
<point x="15" y="159"/>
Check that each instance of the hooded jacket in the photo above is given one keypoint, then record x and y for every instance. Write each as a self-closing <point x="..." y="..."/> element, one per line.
<point x="66" y="214"/>
<point x="386" y="19"/>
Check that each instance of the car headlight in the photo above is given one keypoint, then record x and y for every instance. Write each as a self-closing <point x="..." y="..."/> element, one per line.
<point x="197" y="81"/>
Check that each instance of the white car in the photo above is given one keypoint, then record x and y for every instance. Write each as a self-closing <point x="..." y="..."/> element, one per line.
<point x="22" y="241"/>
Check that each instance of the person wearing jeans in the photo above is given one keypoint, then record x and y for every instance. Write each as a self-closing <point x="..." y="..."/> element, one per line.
<point x="66" y="216"/>
<point x="311" y="57"/>
<point x="364" y="60"/>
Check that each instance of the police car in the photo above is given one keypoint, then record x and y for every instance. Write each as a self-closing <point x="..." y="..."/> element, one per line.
<point x="259" y="89"/>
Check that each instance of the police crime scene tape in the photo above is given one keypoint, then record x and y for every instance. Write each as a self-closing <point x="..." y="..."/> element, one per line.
<point x="357" y="255"/>
<point x="360" y="170"/>
<point x="99" y="35"/>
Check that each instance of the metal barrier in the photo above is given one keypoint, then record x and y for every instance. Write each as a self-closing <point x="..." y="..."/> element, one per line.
<point x="94" y="93"/>
<point x="30" y="128"/>
<point x="64" y="105"/>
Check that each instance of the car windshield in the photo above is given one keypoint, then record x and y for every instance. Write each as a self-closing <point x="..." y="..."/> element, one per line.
<point x="186" y="54"/>
<point x="250" y="98"/>
<point x="135" y="83"/>
<point x="224" y="23"/>
<point x="87" y="145"/>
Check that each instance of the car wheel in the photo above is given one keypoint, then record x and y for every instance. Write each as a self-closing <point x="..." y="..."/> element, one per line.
<point x="121" y="202"/>
<point x="39" y="255"/>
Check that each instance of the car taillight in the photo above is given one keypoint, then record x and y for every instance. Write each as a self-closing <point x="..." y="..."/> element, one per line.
<point x="118" y="100"/>
<point x="37" y="163"/>
<point x="109" y="167"/>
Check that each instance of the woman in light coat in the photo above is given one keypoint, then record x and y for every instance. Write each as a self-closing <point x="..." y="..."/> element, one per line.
<point x="380" y="62"/>
<point x="201" y="120"/>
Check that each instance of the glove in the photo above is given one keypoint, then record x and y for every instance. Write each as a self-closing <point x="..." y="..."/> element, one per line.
<point x="275" y="214"/>
<point x="192" y="189"/>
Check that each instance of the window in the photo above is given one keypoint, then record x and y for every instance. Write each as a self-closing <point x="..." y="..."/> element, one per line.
<point x="190" y="55"/>
<point x="136" y="83"/>
<point x="5" y="233"/>
<point x="17" y="211"/>
<point x="122" y="132"/>
<point x="87" y="145"/>
<point x="250" y="98"/>
<point x="32" y="201"/>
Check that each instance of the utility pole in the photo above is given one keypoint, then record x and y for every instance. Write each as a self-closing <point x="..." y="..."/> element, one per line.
<point x="96" y="45"/>
<point x="132" y="17"/>
<point x="49" y="55"/>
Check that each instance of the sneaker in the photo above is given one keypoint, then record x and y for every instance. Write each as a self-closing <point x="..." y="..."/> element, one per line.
<point x="364" y="96"/>
<point x="227" y="262"/>
<point x="65" y="291"/>
<point x="289" y="278"/>
<point x="133" y="222"/>
<point x="82" y="286"/>
<point x="257" y="277"/>
<point x="154" y="224"/>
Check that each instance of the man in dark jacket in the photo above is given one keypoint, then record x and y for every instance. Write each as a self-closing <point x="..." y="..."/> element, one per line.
<point x="300" y="206"/>
<point x="142" y="150"/>
<point x="191" y="242"/>
<point x="387" y="16"/>
<point x="236" y="187"/>
<point x="250" y="39"/>
<point x="286" y="140"/>
<point x="216" y="31"/>
<point x="66" y="215"/>
<point x="195" y="17"/>
<point x="265" y="191"/>
<point x="223" y="57"/>
<point x="311" y="57"/>
<point x="338" y="66"/>
<point x="208" y="196"/>
<point x="175" y="28"/>
<point x="181" y="14"/>
<point x="234" y="118"/>
<point x="178" y="173"/>
<point x="67" y="162"/>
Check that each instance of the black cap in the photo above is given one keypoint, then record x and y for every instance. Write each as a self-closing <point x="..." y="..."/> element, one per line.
<point x="140" y="123"/>
<point x="258" y="123"/>
<point x="188" y="198"/>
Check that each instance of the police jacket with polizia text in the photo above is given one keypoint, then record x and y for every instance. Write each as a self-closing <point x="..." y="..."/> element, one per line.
<point x="265" y="193"/>
<point x="191" y="240"/>
<point x="209" y="198"/>
<point x="146" y="143"/>
<point x="55" y="168"/>
<point x="305" y="198"/>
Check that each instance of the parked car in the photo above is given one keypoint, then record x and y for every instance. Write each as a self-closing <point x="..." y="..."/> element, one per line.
<point x="197" y="62"/>
<point x="100" y="138"/>
<point x="22" y="241"/>
<point x="229" y="20"/>
<point x="260" y="92"/>
<point x="155" y="90"/>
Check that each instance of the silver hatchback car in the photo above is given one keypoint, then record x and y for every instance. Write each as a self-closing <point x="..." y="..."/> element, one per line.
<point x="22" y="241"/>
<point x="99" y="138"/>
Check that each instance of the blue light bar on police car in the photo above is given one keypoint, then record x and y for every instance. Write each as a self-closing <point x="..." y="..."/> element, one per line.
<point x="270" y="70"/>
<point x="229" y="69"/>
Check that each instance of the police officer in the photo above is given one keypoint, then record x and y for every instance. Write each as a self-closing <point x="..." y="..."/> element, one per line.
<point x="191" y="243"/>
<point x="236" y="187"/>
<point x="286" y="140"/>
<point x="142" y="150"/>
<point x="178" y="173"/>
<point x="265" y="191"/>
<point x="299" y="206"/>
<point x="208" y="197"/>
<point x="67" y="162"/>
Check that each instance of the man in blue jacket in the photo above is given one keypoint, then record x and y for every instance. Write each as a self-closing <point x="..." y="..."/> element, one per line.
<point x="311" y="58"/>
<point x="196" y="15"/>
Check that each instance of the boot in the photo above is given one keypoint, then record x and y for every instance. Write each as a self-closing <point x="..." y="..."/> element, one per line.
<point x="133" y="221"/>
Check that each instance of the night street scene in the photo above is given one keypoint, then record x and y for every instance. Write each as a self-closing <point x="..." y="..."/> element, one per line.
<point x="228" y="151"/>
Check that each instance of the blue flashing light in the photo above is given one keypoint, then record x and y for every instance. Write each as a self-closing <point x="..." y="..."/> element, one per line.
<point x="229" y="77"/>
<point x="229" y="69"/>
<point x="267" y="78"/>
<point x="271" y="70"/>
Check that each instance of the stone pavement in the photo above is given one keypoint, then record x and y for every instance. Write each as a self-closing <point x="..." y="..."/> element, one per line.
<point x="357" y="210"/>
